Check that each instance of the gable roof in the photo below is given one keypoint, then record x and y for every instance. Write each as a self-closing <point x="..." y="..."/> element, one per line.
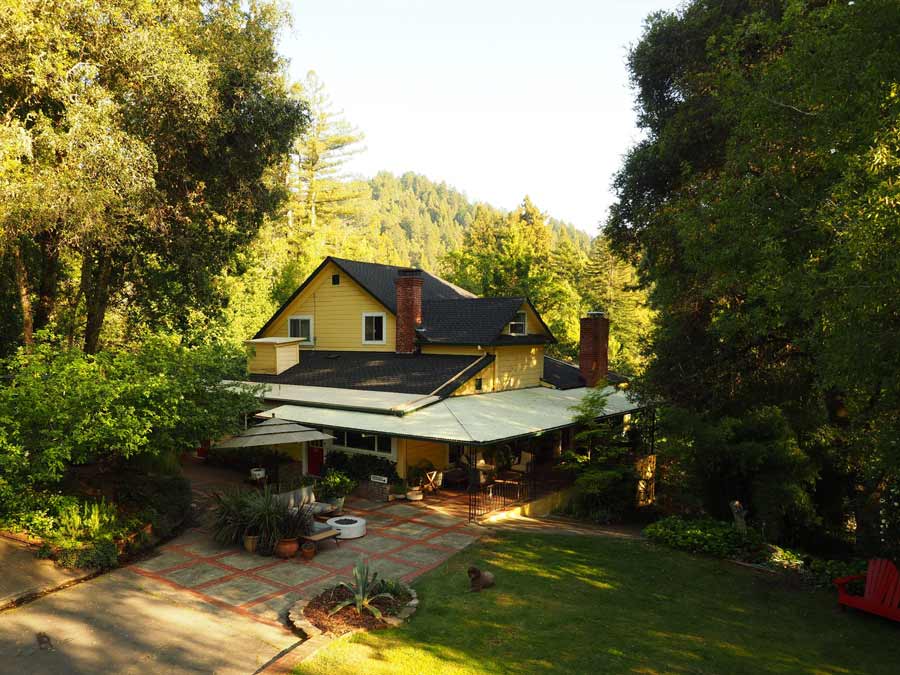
<point x="450" y="315"/>
<point x="378" y="281"/>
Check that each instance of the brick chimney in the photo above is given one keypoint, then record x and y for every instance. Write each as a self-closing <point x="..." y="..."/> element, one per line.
<point x="409" y="309"/>
<point x="593" y="349"/>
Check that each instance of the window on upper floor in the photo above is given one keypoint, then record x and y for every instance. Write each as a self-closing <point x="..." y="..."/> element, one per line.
<point x="301" y="326"/>
<point x="519" y="325"/>
<point x="335" y="279"/>
<point x="373" y="328"/>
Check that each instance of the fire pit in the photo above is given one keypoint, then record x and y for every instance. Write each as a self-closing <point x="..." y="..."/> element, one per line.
<point x="350" y="527"/>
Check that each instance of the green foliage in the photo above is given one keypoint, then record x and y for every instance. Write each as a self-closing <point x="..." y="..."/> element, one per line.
<point x="89" y="521"/>
<point x="62" y="407"/>
<point x="137" y="153"/>
<point x="334" y="484"/>
<point x="761" y="208"/>
<point x="244" y="459"/>
<point x="365" y="588"/>
<point x="712" y="537"/>
<point x="604" y="494"/>
<point x="232" y="516"/>
<point x="415" y="474"/>
<point x="162" y="500"/>
<point x="359" y="466"/>
<point x="100" y="554"/>
<point x="260" y="513"/>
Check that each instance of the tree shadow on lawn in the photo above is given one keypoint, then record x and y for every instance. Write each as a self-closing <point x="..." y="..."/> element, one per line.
<point x="584" y="604"/>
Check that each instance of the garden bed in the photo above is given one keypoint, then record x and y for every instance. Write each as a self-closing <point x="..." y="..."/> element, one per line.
<point x="318" y="610"/>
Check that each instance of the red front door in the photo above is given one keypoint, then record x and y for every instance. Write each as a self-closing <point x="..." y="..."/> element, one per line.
<point x="315" y="458"/>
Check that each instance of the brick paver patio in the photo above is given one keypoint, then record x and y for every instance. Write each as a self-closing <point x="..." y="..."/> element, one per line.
<point x="403" y="541"/>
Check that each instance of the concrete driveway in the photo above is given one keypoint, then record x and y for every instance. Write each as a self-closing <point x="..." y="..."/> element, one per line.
<point x="196" y="606"/>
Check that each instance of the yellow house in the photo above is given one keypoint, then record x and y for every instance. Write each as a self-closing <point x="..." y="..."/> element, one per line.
<point x="398" y="363"/>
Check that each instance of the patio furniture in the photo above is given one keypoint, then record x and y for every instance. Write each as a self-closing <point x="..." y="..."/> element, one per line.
<point x="305" y="495"/>
<point x="433" y="480"/>
<point x="320" y="535"/>
<point x="349" y="527"/>
<point x="882" y="592"/>
<point x="457" y="477"/>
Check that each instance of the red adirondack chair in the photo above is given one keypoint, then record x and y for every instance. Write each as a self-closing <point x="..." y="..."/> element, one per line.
<point x="882" y="594"/>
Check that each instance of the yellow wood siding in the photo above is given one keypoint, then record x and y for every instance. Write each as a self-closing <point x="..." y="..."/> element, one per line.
<point x="414" y="451"/>
<point x="532" y="323"/>
<point x="487" y="382"/>
<point x="518" y="367"/>
<point x="262" y="359"/>
<point x="337" y="314"/>
<point x="286" y="356"/>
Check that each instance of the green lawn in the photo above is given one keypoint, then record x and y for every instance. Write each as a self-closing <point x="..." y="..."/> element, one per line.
<point x="567" y="604"/>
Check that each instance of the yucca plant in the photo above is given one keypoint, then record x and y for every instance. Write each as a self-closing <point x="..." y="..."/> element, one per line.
<point x="365" y="588"/>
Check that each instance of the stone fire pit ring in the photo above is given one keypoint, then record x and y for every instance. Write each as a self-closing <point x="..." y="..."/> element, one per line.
<point x="349" y="527"/>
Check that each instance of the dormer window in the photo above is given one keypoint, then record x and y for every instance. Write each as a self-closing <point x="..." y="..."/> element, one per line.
<point x="301" y="327"/>
<point x="519" y="325"/>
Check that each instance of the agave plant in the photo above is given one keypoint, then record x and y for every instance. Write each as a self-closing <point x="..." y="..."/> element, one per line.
<point x="365" y="588"/>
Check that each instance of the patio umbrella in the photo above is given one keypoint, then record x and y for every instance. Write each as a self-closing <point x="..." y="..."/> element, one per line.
<point x="273" y="431"/>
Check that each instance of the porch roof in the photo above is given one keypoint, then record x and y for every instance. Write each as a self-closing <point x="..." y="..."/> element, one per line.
<point x="479" y="419"/>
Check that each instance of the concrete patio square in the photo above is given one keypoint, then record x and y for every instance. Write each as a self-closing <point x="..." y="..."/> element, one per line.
<point x="439" y="519"/>
<point x="163" y="561"/>
<point x="454" y="540"/>
<point x="374" y="544"/>
<point x="205" y="546"/>
<point x="390" y="569"/>
<point x="422" y="555"/>
<point x="292" y="573"/>
<point x="195" y="574"/>
<point x="245" y="561"/>
<point x="413" y="530"/>
<point x="276" y="609"/>
<point x="402" y="511"/>
<point x="336" y="558"/>
<point x="240" y="591"/>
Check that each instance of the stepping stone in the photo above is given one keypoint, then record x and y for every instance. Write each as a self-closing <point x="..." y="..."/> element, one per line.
<point x="336" y="558"/>
<point x="240" y="591"/>
<point x="196" y="574"/>
<point x="390" y="569"/>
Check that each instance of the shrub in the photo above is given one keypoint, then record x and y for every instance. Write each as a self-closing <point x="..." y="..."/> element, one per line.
<point x="334" y="485"/>
<point x="101" y="554"/>
<point x="244" y="459"/>
<point x="359" y="466"/>
<point x="231" y="515"/>
<point x="712" y="537"/>
<point x="603" y="494"/>
<point x="88" y="521"/>
<point x="364" y="589"/>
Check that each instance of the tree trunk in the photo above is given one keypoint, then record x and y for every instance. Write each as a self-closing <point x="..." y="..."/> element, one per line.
<point x="49" y="281"/>
<point x="867" y="509"/>
<point x="95" y="279"/>
<point x="24" y="297"/>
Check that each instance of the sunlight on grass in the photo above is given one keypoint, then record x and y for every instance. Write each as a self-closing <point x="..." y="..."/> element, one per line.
<point x="567" y="604"/>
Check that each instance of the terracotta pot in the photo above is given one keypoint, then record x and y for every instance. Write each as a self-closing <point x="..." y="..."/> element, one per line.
<point x="308" y="550"/>
<point x="286" y="548"/>
<point x="250" y="543"/>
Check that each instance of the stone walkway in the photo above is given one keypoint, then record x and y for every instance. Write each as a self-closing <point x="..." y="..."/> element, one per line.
<point x="24" y="575"/>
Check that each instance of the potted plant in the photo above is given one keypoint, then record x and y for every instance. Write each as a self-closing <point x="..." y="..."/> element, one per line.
<point x="334" y="487"/>
<point x="398" y="491"/>
<point x="295" y="523"/>
<point x="308" y="550"/>
<point x="251" y="539"/>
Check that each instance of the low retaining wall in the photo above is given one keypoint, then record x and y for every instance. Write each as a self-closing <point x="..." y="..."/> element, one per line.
<point x="542" y="506"/>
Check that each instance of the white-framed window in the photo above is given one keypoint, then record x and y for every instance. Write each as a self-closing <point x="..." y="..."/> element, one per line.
<point x="364" y="442"/>
<point x="519" y="325"/>
<point x="301" y="326"/>
<point x="373" y="328"/>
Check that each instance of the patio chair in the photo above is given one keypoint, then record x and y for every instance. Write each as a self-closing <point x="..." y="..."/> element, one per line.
<point x="882" y="591"/>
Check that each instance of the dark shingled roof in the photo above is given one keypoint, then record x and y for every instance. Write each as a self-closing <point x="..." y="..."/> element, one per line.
<point x="565" y="375"/>
<point x="379" y="279"/>
<point x="450" y="314"/>
<point x="476" y="321"/>
<point x="380" y="371"/>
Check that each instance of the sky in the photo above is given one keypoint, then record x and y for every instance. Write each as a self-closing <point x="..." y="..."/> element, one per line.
<point x="498" y="98"/>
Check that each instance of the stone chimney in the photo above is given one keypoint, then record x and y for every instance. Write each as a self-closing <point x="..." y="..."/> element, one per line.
<point x="593" y="349"/>
<point x="409" y="309"/>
